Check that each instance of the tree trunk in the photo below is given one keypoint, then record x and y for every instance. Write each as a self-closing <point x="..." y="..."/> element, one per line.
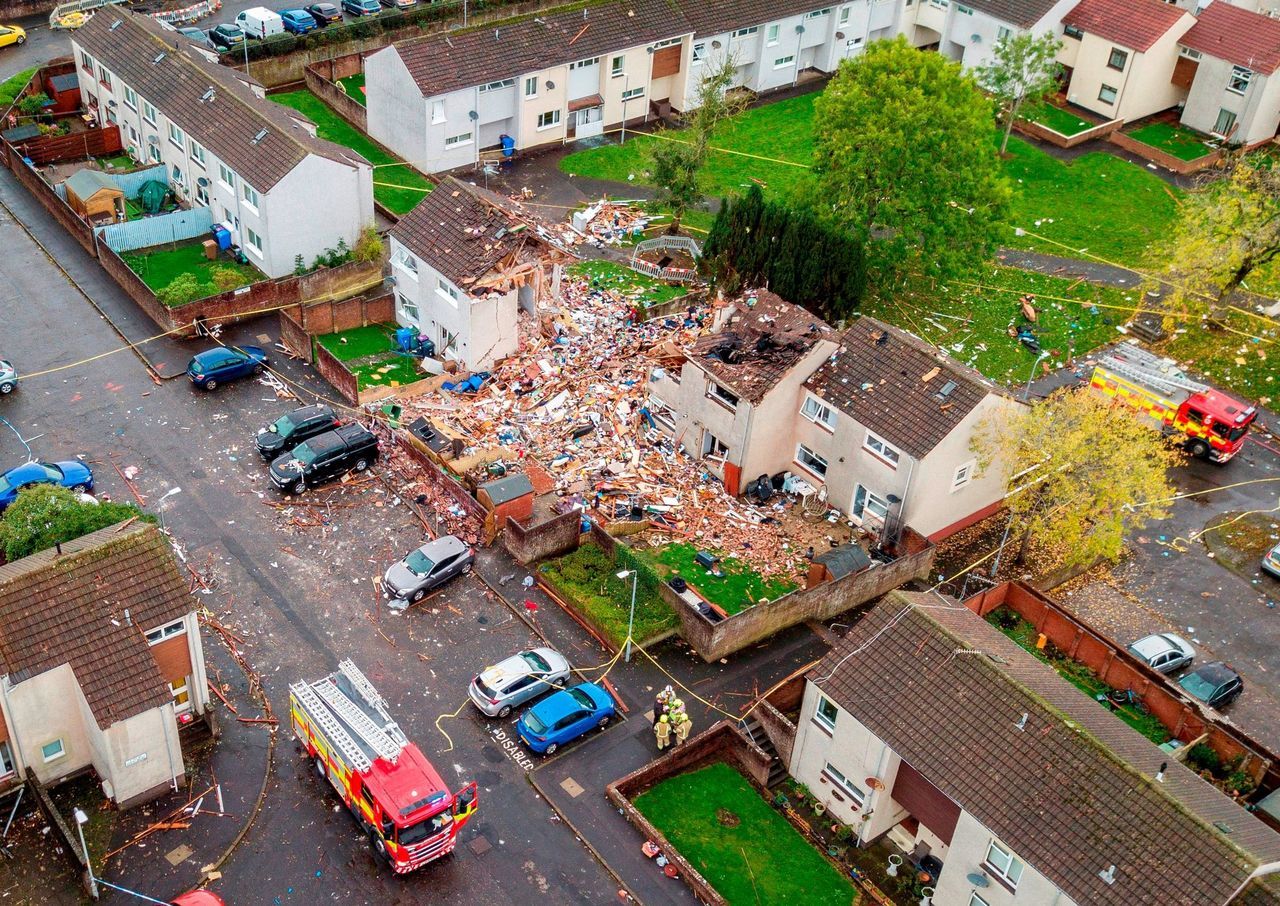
<point x="1008" y="126"/>
<point x="1023" y="546"/>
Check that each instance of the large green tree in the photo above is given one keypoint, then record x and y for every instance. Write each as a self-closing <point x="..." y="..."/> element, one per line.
<point x="1023" y="69"/>
<point x="45" y="515"/>
<point x="905" y="159"/>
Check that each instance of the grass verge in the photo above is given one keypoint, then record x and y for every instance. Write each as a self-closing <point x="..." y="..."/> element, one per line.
<point x="1172" y="139"/>
<point x="1061" y="121"/>
<point x="589" y="577"/>
<point x="160" y="265"/>
<point x="744" y="848"/>
<point x="1248" y="366"/>
<point x="608" y="275"/>
<point x="739" y="588"/>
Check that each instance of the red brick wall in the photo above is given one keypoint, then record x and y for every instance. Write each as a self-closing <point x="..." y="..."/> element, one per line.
<point x="1037" y="131"/>
<point x="439" y="478"/>
<point x="293" y="336"/>
<point x="549" y="538"/>
<point x="133" y="286"/>
<point x="1168" y="161"/>
<point x="321" y="79"/>
<point x="336" y="374"/>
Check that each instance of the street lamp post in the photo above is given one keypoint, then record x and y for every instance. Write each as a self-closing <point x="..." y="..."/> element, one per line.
<point x="81" y="820"/>
<point x="631" y="620"/>
<point x="167" y="494"/>
<point x="1026" y="393"/>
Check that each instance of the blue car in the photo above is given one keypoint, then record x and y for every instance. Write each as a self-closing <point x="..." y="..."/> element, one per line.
<point x="563" y="717"/>
<point x="216" y="366"/>
<point x="298" y="21"/>
<point x="70" y="474"/>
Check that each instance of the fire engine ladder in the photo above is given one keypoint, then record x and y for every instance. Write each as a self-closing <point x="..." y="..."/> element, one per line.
<point x="333" y="731"/>
<point x="1132" y="361"/>
<point x="361" y="684"/>
<point x="355" y="718"/>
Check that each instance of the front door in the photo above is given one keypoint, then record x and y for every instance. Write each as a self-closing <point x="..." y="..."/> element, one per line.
<point x="588" y="122"/>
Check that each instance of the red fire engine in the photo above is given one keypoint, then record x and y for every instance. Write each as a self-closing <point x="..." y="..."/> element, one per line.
<point x="397" y="797"/>
<point x="1214" y="423"/>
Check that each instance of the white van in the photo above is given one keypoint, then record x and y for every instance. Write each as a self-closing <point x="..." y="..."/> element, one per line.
<point x="260" y="22"/>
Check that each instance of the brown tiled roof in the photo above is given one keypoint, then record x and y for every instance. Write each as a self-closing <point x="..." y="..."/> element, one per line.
<point x="1263" y="891"/>
<point x="229" y="124"/>
<point x="1238" y="36"/>
<point x="715" y="17"/>
<point x="456" y="230"/>
<point x="1072" y="792"/>
<point x="89" y="608"/>
<point x="877" y="377"/>
<point x="491" y="53"/>
<point x="763" y="339"/>
<point x="1135" y="24"/>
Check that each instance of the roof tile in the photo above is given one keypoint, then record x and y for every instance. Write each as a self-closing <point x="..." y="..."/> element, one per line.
<point x="1136" y="24"/>
<point x="1238" y="36"/>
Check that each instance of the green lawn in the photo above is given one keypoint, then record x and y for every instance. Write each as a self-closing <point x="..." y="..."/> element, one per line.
<point x="359" y="341"/>
<point x="1182" y="143"/>
<point x="392" y="370"/>
<point x="1249" y="367"/>
<point x="1064" y="122"/>
<point x="10" y="87"/>
<point x="643" y="288"/>
<point x="740" y="587"/>
<point x="159" y="266"/>
<point x="742" y="846"/>
<point x="589" y="576"/>
<point x="355" y="87"/>
<point x="397" y="186"/>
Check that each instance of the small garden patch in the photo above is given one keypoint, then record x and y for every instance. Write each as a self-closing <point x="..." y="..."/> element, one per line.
<point x="355" y="87"/>
<point x="369" y="354"/>
<point x="739" y="588"/>
<point x="744" y="848"/>
<point x="1171" y="138"/>
<point x="1061" y="121"/>
<point x="589" y="577"/>
<point x="184" y="264"/>
<point x="608" y="275"/>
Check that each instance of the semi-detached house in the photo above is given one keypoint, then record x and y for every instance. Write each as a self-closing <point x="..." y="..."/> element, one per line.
<point x="968" y="31"/>
<point x="255" y="164"/>
<point x="1229" y="59"/>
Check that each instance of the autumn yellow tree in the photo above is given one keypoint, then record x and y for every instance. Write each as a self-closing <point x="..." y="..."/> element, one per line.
<point x="1083" y="474"/>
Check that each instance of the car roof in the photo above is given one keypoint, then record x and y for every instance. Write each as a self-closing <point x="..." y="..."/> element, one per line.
<point x="558" y="704"/>
<point x="216" y="354"/>
<point x="27" y="468"/>
<point x="1216" y="673"/>
<point x="351" y="432"/>
<point x="303" y="413"/>
<point x="443" y="546"/>
<point x="1151" y="645"/>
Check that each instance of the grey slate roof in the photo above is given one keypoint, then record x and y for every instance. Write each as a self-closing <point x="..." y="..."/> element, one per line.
<point x="1025" y="13"/>
<point x="504" y="490"/>
<point x="1072" y="792"/>
<point x="84" y="184"/>
<point x="844" y="560"/>
<point x="227" y="125"/>
<point x="710" y="17"/>
<point x="877" y="378"/>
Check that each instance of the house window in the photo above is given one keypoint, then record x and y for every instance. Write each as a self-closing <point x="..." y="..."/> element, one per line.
<point x="784" y="62"/>
<point x="1072" y="31"/>
<point x="743" y="32"/>
<point x="1118" y="58"/>
<point x="6" y="759"/>
<point x="964" y="9"/>
<point x="130" y="98"/>
<point x="1003" y="34"/>
<point x="844" y="15"/>
<point x="253" y="240"/>
<point x="869" y="506"/>
<point x="881" y="449"/>
<point x="811" y="461"/>
<point x="818" y="412"/>
<point x="531" y="87"/>
<point x="720" y="394"/>
<point x="226" y="177"/>
<point x="250" y="195"/>
<point x="964" y="474"/>
<point x="714" y="446"/>
<point x="975" y="900"/>
<point x="86" y="62"/>
<point x="583" y="64"/>
<point x="771" y="36"/>
<point x="447" y="289"/>
<point x="826" y="712"/>
<point x="1107" y="94"/>
<point x="699" y="52"/>
<point x="1225" y="123"/>
<point x="202" y="191"/>
<point x="52" y="751"/>
<point x="454" y="140"/>
<point x="406" y="262"/>
<point x="104" y="77"/>
<point x="408" y="310"/>
<point x="1239" y="79"/>
<point x="498" y="86"/>
<point x="176" y="136"/>
<point x="1188" y="53"/>
<point x="177" y="175"/>
<point x="548" y="119"/>
<point x="154" y="150"/>
<point x="148" y="112"/>
<point x="845" y="784"/>
<point x="633" y="93"/>
<point x="181" y="696"/>
<point x="1003" y="864"/>
<point x="197" y="153"/>
<point x="817" y="13"/>
<point x="437" y="112"/>
<point x="617" y="66"/>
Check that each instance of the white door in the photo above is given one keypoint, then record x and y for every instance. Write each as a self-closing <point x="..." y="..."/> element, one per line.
<point x="589" y="121"/>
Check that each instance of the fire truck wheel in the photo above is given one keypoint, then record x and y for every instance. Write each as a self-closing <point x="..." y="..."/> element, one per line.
<point x="320" y="768"/>
<point x="379" y="847"/>
<point x="551" y="749"/>
<point x="1199" y="448"/>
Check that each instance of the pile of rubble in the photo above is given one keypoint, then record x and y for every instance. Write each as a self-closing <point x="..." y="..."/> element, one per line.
<point x="612" y="222"/>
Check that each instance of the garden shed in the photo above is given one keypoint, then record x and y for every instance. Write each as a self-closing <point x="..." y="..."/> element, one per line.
<point x="95" y="196"/>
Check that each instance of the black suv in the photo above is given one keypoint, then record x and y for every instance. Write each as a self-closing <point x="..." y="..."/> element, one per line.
<point x="291" y="429"/>
<point x="324" y="457"/>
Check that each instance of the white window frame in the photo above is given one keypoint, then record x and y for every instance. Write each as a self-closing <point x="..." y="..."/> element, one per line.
<point x="845" y="785"/>
<point x="1003" y="33"/>
<point x="824" y="720"/>
<point x="447" y="291"/>
<point x="253" y="241"/>
<point x="964" y="9"/>
<point x="811" y="466"/>
<point x="227" y="176"/>
<point x="1238" y="81"/>
<point x="583" y="64"/>
<point x="61" y="753"/>
<point x="631" y="93"/>
<point x="618" y="67"/>
<point x="405" y="262"/>
<point x="818" y="412"/>
<point x="722" y="395"/>
<point x="771" y="35"/>
<point x="699" y="51"/>
<point x="785" y="62"/>
<point x="498" y="86"/>
<point x="250" y="196"/>
<point x="130" y="98"/>
<point x="8" y="767"/>
<point x="149" y="112"/>
<point x="818" y="13"/>
<point x="167" y="631"/>
<point x="408" y="309"/>
<point x="202" y="194"/>
<point x="1010" y="872"/>
<point x="870" y="511"/>
<point x="197" y="152"/>
<point x="1124" y="59"/>
<point x="844" y="15"/>
<point x="530" y="82"/>
<point x="882" y="450"/>
<point x="666" y="42"/>
<point x="437" y="113"/>
<point x="745" y="32"/>
<point x="554" y="121"/>
<point x="1189" y="53"/>
<point x="975" y="900"/>
<point x="456" y="141"/>
<point x="177" y="137"/>
<point x="963" y="474"/>
<point x="1223" y="132"/>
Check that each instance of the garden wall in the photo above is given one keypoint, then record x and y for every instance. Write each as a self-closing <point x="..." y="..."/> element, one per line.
<point x="1168" y="161"/>
<point x="313" y="319"/>
<point x="75" y="146"/>
<point x="439" y="478"/>
<point x="336" y="374"/>
<point x="1120" y="670"/>
<point x="321" y="79"/>
<point x="535" y="541"/>
<point x="51" y="201"/>
<point x="1045" y="134"/>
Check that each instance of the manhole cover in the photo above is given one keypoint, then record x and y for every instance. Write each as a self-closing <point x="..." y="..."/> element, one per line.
<point x="480" y="845"/>
<point x="727" y="818"/>
<point x="572" y="787"/>
<point x="176" y="857"/>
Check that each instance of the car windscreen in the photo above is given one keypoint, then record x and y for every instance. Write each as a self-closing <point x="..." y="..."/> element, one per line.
<point x="52" y="472"/>
<point x="1198" y="686"/>
<point x="531" y="721"/>
<point x="284" y="426"/>
<point x="304" y="454"/>
<point x="582" y="699"/>
<point x="534" y="660"/>
<point x="5" y="486"/>
<point x="419" y="563"/>
<point x="416" y="833"/>
<point x="484" y="688"/>
<point x="1237" y="433"/>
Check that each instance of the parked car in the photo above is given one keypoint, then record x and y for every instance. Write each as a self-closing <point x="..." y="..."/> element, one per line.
<point x="361" y="7"/>
<point x="226" y="36"/>
<point x="1270" y="563"/>
<point x="324" y="457"/>
<point x="1163" y="651"/>
<point x="292" y="428"/>
<point x="400" y="4"/>
<point x="8" y="377"/>
<point x="197" y="36"/>
<point x="12" y="34"/>
<point x="1215" y="684"/>
<point x="563" y="717"/>
<point x="198" y="898"/>
<point x="524" y="675"/>
<point x="70" y="474"/>
<point x="298" y="21"/>
<point x="220" y="364"/>
<point x="325" y="13"/>
<point x="430" y="566"/>
<point x="260" y="22"/>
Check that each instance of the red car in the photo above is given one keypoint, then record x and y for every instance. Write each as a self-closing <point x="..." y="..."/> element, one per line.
<point x="198" y="898"/>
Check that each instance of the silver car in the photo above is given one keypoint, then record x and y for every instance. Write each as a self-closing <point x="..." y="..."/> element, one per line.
<point x="8" y="377"/>
<point x="1163" y="652"/>
<point x="427" y="568"/>
<point x="519" y="678"/>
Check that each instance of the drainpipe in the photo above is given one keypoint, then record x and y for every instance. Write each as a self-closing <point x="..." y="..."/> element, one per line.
<point x="871" y="801"/>
<point x="168" y="748"/>
<point x="906" y="493"/>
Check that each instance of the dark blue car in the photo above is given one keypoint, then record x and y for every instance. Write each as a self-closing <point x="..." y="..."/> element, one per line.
<point x="70" y="474"/>
<point x="216" y="366"/>
<point x="298" y="21"/>
<point x="563" y="717"/>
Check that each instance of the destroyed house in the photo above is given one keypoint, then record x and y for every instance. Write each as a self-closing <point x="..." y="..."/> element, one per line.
<point x="1004" y="783"/>
<point x="465" y="262"/>
<point x="732" y="399"/>
<point x="887" y="425"/>
<point x="101" y="663"/>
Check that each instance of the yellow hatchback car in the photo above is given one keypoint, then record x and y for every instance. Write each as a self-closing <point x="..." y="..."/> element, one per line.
<point x="12" y="34"/>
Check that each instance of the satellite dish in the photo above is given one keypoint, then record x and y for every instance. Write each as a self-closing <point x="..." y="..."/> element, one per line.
<point x="799" y="29"/>
<point x="550" y="85"/>
<point x="716" y="44"/>
<point x="201" y="181"/>
<point x="473" y="115"/>
<point x="976" y="39"/>
<point x="839" y="36"/>
<point x="976" y="878"/>
<point x="875" y="783"/>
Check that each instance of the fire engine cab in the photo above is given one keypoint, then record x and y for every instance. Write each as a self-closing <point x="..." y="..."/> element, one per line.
<point x="396" y="795"/>
<point x="1215" y="424"/>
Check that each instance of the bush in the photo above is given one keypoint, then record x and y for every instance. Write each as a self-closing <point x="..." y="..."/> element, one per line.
<point x="1006" y="619"/>
<point x="1203" y="758"/>
<point x="45" y="515"/>
<point x="368" y="246"/>
<point x="183" y="289"/>
<point x="33" y="103"/>
<point x="225" y="278"/>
